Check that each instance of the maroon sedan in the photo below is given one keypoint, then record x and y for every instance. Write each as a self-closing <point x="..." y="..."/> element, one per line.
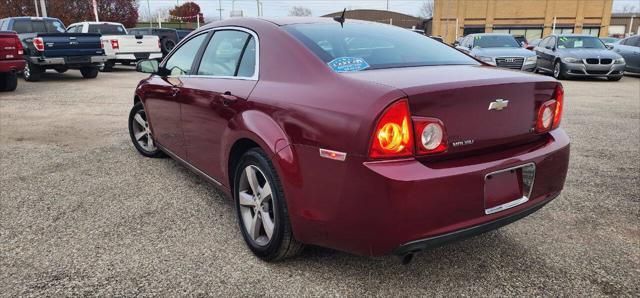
<point x="359" y="136"/>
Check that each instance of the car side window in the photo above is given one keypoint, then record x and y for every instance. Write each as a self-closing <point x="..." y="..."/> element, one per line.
<point x="223" y="53"/>
<point x="247" y="67"/>
<point x="182" y="59"/>
<point x="633" y="41"/>
<point x="551" y="42"/>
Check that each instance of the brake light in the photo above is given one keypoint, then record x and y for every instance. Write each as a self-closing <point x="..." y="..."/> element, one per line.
<point x="393" y="136"/>
<point x="430" y="135"/>
<point x="19" y="47"/>
<point x="115" y="44"/>
<point x="546" y="114"/>
<point x="559" y="97"/>
<point x="38" y="43"/>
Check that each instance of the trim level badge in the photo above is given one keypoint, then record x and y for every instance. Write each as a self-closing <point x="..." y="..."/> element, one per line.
<point x="498" y="104"/>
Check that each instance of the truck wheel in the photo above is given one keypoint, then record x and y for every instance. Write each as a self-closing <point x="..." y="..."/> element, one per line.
<point x="107" y="66"/>
<point x="9" y="81"/>
<point x="89" y="72"/>
<point x="32" y="72"/>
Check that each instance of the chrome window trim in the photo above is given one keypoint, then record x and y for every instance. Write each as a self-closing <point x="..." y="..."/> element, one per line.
<point x="256" y="73"/>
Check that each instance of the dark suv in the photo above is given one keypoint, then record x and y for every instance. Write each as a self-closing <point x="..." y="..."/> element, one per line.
<point x="572" y="55"/>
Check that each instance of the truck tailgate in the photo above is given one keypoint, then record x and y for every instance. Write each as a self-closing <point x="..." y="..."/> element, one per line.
<point x="133" y="43"/>
<point x="71" y="44"/>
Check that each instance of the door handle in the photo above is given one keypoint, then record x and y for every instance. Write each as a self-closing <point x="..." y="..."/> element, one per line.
<point x="227" y="98"/>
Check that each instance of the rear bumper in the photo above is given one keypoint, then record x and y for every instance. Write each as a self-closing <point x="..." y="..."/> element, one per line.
<point x="11" y="65"/>
<point x="67" y="61"/>
<point x="379" y="208"/>
<point x="134" y="56"/>
<point x="422" y="244"/>
<point x="593" y="70"/>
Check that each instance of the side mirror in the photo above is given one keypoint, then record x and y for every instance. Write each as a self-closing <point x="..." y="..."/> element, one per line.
<point x="609" y="46"/>
<point x="148" y="66"/>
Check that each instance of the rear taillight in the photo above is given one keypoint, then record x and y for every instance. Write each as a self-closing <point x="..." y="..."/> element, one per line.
<point x="38" y="43"/>
<point x="393" y="136"/>
<point x="19" y="48"/>
<point x="115" y="44"/>
<point x="550" y="112"/>
<point x="430" y="135"/>
<point x="559" y="97"/>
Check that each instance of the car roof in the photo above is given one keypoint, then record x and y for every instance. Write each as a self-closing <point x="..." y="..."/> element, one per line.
<point x="573" y="35"/>
<point x="496" y="34"/>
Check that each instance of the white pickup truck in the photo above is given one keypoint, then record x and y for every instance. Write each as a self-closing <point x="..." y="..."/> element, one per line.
<point x="118" y="46"/>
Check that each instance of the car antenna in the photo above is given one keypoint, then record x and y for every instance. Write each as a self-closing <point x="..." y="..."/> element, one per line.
<point x="340" y="19"/>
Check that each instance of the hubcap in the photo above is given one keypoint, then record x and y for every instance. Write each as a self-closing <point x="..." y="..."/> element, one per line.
<point x="256" y="205"/>
<point x="556" y="70"/>
<point x="142" y="133"/>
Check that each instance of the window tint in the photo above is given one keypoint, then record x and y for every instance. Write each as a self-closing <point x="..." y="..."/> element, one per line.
<point x="223" y="53"/>
<point x="180" y="62"/>
<point x="551" y="43"/>
<point x="247" y="66"/>
<point x="107" y="29"/>
<point x="21" y="26"/>
<point x="578" y="42"/>
<point x="495" y="41"/>
<point x="54" y="26"/>
<point x="381" y="46"/>
<point x="633" y="41"/>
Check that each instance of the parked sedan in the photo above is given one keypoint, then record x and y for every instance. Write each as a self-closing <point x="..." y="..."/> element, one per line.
<point x="567" y="56"/>
<point x="363" y="138"/>
<point x="629" y="49"/>
<point x="501" y="50"/>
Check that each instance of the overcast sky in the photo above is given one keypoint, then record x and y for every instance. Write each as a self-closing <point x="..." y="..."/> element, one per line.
<point x="318" y="7"/>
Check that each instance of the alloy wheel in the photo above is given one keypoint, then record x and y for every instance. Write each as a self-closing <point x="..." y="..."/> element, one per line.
<point x="142" y="132"/>
<point x="556" y="70"/>
<point x="26" y="72"/>
<point x="256" y="205"/>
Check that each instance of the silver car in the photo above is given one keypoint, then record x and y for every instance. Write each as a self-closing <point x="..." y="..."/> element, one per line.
<point x="567" y="56"/>
<point x="501" y="50"/>
<point x="629" y="49"/>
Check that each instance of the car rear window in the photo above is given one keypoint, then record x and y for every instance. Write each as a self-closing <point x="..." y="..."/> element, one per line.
<point x="107" y="29"/>
<point x="37" y="26"/>
<point x="374" y="45"/>
<point x="495" y="41"/>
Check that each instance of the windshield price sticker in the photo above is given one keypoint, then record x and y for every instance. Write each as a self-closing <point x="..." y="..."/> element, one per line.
<point x="348" y="64"/>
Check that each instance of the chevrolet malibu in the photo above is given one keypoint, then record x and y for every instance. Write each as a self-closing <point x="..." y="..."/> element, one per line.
<point x="356" y="136"/>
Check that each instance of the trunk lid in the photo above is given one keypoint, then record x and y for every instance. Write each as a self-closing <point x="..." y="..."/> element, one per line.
<point x="460" y="96"/>
<point x="71" y="44"/>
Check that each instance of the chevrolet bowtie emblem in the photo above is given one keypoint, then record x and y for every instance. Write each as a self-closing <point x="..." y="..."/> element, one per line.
<point x="498" y="104"/>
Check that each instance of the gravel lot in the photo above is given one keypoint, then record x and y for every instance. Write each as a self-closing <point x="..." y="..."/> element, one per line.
<point x="81" y="213"/>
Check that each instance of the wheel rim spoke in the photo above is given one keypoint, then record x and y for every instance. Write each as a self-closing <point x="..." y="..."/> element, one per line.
<point x="254" y="227"/>
<point x="246" y="199"/>
<point x="150" y="144"/>
<point x="267" y="223"/>
<point x="252" y="179"/>
<point x="139" y="135"/>
<point x="140" y="121"/>
<point x="265" y="191"/>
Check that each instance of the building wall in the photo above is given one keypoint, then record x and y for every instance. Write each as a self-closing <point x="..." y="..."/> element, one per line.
<point x="452" y="17"/>
<point x="624" y="24"/>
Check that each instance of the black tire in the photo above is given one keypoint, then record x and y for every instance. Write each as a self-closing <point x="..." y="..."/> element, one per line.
<point x="61" y="69"/>
<point x="138" y="108"/>
<point x="126" y="63"/>
<point x="167" y="45"/>
<point x="90" y="72"/>
<point x="32" y="72"/>
<point x="559" y="75"/>
<point x="107" y="66"/>
<point x="9" y="81"/>
<point x="614" y="79"/>
<point x="282" y="244"/>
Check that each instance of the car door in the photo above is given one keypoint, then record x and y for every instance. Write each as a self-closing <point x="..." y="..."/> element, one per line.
<point x="226" y="75"/>
<point x="629" y="50"/>
<point x="162" y="96"/>
<point x="546" y="54"/>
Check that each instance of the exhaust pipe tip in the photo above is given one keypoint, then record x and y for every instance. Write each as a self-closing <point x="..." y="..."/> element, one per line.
<point x="406" y="259"/>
